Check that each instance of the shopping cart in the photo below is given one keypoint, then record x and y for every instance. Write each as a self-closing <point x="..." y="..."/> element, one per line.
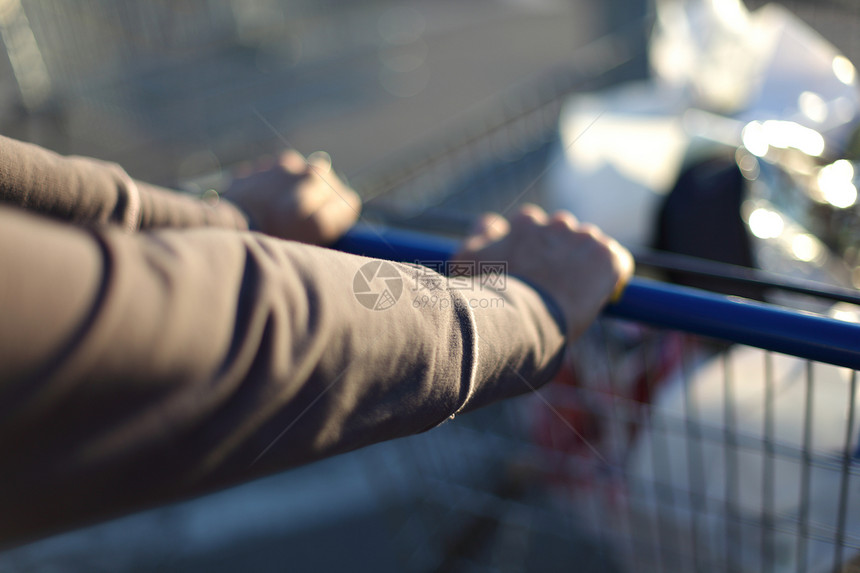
<point x="686" y="432"/>
<point x="732" y="459"/>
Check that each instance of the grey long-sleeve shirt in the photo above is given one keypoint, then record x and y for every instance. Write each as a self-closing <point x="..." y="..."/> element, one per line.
<point x="156" y="350"/>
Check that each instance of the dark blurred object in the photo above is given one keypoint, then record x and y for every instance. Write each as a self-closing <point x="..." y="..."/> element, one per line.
<point x="701" y="217"/>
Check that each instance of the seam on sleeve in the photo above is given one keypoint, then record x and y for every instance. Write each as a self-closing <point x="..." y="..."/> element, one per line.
<point x="128" y="200"/>
<point x="469" y="331"/>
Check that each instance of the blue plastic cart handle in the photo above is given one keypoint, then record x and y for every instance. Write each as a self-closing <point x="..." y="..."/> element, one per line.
<point x="735" y="319"/>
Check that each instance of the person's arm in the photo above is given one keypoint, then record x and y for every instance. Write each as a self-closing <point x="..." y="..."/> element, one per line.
<point x="289" y="198"/>
<point x="139" y="369"/>
<point x="92" y="192"/>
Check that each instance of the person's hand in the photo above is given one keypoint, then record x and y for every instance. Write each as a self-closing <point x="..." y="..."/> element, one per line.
<point x="574" y="263"/>
<point x="297" y="199"/>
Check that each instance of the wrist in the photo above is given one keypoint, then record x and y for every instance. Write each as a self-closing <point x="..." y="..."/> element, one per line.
<point x="553" y="306"/>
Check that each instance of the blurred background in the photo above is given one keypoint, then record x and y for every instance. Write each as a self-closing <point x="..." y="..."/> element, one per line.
<point x="175" y="89"/>
<point x="434" y="111"/>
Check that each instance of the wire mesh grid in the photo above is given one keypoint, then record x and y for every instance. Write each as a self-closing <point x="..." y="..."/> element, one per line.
<point x="650" y="451"/>
<point x="716" y="466"/>
<point x="88" y="42"/>
<point x="497" y="159"/>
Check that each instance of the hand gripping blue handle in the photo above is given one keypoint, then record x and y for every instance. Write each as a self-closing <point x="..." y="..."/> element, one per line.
<point x="734" y="319"/>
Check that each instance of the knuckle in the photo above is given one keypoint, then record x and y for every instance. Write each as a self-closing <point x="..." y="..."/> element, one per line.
<point x="564" y="219"/>
<point x="531" y="213"/>
<point x="292" y="162"/>
<point x="525" y="218"/>
<point x="592" y="231"/>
